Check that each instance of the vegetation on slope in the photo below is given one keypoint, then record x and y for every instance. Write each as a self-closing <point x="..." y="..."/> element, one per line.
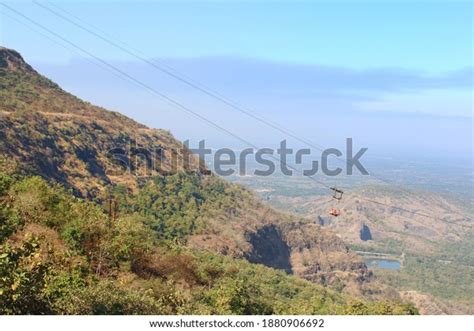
<point x="182" y="204"/>
<point x="63" y="255"/>
<point x="447" y="275"/>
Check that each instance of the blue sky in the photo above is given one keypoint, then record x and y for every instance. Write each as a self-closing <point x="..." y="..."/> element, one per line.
<point x="353" y="64"/>
<point x="425" y="35"/>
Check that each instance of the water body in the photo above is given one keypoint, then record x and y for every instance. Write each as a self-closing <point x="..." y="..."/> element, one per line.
<point x="378" y="263"/>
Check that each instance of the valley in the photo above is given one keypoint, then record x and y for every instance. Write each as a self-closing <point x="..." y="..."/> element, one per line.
<point x="431" y="255"/>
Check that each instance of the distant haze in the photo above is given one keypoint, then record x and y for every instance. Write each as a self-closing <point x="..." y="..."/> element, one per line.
<point x="389" y="111"/>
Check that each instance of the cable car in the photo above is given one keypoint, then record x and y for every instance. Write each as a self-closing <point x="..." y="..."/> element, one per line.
<point x="337" y="194"/>
<point x="334" y="212"/>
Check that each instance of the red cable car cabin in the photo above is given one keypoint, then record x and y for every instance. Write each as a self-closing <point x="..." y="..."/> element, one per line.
<point x="334" y="212"/>
<point x="338" y="196"/>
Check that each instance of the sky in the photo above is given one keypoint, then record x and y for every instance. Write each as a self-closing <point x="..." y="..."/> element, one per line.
<point x="397" y="76"/>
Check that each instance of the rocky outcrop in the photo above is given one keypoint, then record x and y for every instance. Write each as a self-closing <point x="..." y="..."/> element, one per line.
<point x="269" y="248"/>
<point x="12" y="60"/>
<point x="323" y="221"/>
<point x="365" y="233"/>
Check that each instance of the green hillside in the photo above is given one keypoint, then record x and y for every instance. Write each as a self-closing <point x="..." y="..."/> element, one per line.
<point x="83" y="234"/>
<point x="63" y="255"/>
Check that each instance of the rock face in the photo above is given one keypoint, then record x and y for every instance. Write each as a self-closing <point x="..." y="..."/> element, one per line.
<point x="318" y="255"/>
<point x="269" y="248"/>
<point x="12" y="60"/>
<point x="365" y="233"/>
<point x="323" y="221"/>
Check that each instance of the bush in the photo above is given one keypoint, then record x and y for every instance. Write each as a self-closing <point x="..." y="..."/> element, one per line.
<point x="37" y="202"/>
<point x="105" y="298"/>
<point x="22" y="279"/>
<point x="5" y="182"/>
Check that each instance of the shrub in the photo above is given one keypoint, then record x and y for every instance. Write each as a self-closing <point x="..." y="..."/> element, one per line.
<point x="105" y="298"/>
<point x="22" y="279"/>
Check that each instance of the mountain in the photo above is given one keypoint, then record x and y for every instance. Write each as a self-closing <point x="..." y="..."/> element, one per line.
<point x="387" y="229"/>
<point x="73" y="142"/>
<point x="123" y="174"/>
<point x="434" y="244"/>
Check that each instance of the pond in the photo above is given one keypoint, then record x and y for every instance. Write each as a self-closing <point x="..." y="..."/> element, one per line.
<point x="378" y="263"/>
